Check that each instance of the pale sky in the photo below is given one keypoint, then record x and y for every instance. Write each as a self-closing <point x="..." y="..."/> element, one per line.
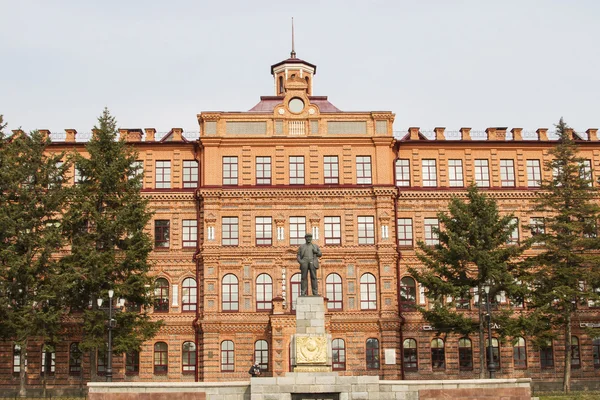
<point x="479" y="64"/>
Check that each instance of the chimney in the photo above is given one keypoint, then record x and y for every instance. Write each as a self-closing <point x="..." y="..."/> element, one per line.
<point x="414" y="133"/>
<point x="542" y="134"/>
<point x="592" y="134"/>
<point x="517" y="133"/>
<point x="466" y="133"/>
<point x="150" y="133"/>
<point x="177" y="134"/>
<point x="122" y="134"/>
<point x="45" y="133"/>
<point x="439" y="133"/>
<point x="569" y="132"/>
<point x="71" y="135"/>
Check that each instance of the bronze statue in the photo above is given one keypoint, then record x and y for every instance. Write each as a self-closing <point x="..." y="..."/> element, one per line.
<point x="308" y="258"/>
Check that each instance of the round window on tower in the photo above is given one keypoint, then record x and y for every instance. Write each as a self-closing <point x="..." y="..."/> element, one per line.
<point x="296" y="105"/>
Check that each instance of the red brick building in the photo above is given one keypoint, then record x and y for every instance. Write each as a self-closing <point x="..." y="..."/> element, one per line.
<point x="233" y="204"/>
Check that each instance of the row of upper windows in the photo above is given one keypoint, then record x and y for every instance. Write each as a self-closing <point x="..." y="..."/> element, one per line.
<point x="263" y="293"/>
<point x="406" y="238"/>
<point x="429" y="172"/>
<point x="263" y="171"/>
<point x="297" y="170"/>
<point x="465" y="354"/>
<point x="230" y="231"/>
<point x="481" y="169"/>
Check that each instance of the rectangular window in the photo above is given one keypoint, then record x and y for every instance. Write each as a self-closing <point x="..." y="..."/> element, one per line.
<point x="331" y="170"/>
<point x="136" y="169"/>
<point x="297" y="230"/>
<point x="405" y="232"/>
<point x="537" y="226"/>
<point x="402" y="172"/>
<point x="264" y="231"/>
<point x="190" y="173"/>
<point x="431" y="237"/>
<point x="363" y="170"/>
<point x="296" y="170"/>
<point x="534" y="174"/>
<point x="263" y="170"/>
<point x="229" y="231"/>
<point x="507" y="173"/>
<point x="333" y="230"/>
<point x="230" y="170"/>
<point x="514" y="236"/>
<point x="366" y="230"/>
<point x="585" y="171"/>
<point x="78" y="178"/>
<point x="190" y="232"/>
<point x="161" y="233"/>
<point x="429" y="173"/>
<point x="482" y="173"/>
<point x="163" y="174"/>
<point x="455" y="173"/>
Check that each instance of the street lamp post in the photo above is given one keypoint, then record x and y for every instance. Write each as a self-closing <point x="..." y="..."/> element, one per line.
<point x="491" y="364"/>
<point x="111" y="325"/>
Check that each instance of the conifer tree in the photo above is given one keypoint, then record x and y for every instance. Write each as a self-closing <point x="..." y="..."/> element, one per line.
<point x="471" y="253"/>
<point x="32" y="198"/>
<point x="109" y="247"/>
<point x="565" y="273"/>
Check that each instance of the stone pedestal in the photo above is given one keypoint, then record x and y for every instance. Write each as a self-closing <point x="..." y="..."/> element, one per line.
<point x="311" y="345"/>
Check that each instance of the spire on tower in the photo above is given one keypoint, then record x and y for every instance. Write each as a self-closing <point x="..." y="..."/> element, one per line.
<point x="293" y="53"/>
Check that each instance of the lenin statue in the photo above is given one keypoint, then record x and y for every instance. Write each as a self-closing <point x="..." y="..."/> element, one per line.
<point x="308" y="258"/>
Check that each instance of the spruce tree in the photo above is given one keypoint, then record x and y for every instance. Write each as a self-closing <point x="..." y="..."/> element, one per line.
<point x="471" y="253"/>
<point x="565" y="272"/>
<point x="109" y="247"/>
<point x="32" y="198"/>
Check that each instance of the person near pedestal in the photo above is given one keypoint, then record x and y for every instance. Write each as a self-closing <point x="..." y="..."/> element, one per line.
<point x="254" y="370"/>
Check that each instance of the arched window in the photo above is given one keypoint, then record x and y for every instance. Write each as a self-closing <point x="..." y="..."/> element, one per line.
<point x="132" y="363"/>
<point x="295" y="289"/>
<point x="596" y="351"/>
<point x="372" y="353"/>
<point x="16" y="359"/>
<point x="547" y="355"/>
<point x="264" y="292"/>
<point x="188" y="358"/>
<point x="48" y="361"/>
<point x="261" y="354"/>
<point x="465" y="354"/>
<point x="409" y="356"/>
<point x="227" y="356"/>
<point x="333" y="289"/>
<point x="368" y="292"/>
<point x="408" y="294"/>
<point x="495" y="351"/>
<point x="519" y="353"/>
<point x="161" y="358"/>
<point x="438" y="354"/>
<point x="575" y="355"/>
<point x="74" y="359"/>
<point x="338" y="349"/>
<point x="161" y="295"/>
<point x="189" y="293"/>
<point x="230" y="293"/>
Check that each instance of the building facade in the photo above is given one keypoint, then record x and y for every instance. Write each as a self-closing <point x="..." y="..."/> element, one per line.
<point x="232" y="205"/>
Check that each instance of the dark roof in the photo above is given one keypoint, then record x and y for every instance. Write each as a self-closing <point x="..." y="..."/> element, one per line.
<point x="293" y="60"/>
<point x="267" y="104"/>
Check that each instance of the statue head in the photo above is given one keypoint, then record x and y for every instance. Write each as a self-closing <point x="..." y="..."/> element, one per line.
<point x="308" y="237"/>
